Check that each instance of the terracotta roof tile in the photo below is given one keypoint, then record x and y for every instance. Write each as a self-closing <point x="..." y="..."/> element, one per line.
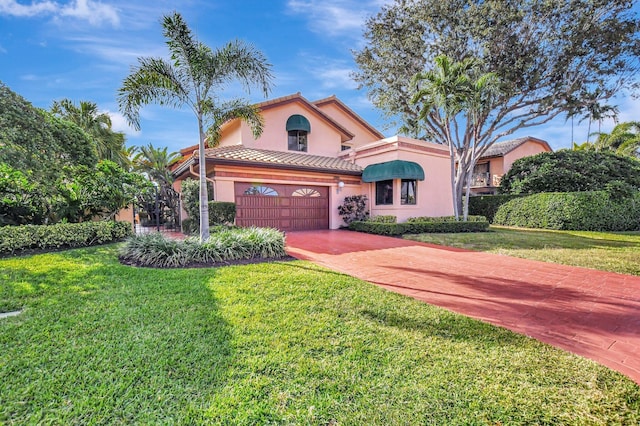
<point x="279" y="159"/>
<point x="499" y="149"/>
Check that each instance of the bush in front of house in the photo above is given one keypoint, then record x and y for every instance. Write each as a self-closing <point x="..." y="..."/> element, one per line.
<point x="220" y="213"/>
<point x="353" y="208"/>
<point x="388" y="218"/>
<point x="225" y="244"/>
<point x="419" y="225"/>
<point x="585" y="211"/>
<point x="14" y="239"/>
<point x="487" y="205"/>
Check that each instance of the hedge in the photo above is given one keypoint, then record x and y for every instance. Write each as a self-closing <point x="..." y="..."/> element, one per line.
<point x="220" y="213"/>
<point x="487" y="205"/>
<point x="585" y="211"/>
<point x="61" y="235"/>
<point x="418" y="226"/>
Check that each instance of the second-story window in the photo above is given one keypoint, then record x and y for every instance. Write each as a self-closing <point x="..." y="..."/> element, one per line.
<point x="298" y="140"/>
<point x="298" y="129"/>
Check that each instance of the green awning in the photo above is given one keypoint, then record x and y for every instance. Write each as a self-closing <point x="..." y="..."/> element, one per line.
<point x="298" y="122"/>
<point x="396" y="169"/>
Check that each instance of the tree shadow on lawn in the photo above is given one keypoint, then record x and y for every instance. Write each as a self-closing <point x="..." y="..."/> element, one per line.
<point x="103" y="342"/>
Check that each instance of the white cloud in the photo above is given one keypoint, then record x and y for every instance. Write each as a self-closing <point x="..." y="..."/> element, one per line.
<point x="96" y="13"/>
<point x="13" y="8"/>
<point x="120" y="124"/>
<point x="339" y="78"/>
<point x="335" y="17"/>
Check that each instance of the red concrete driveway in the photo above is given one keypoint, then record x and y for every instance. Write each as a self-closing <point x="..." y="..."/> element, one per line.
<point x="590" y="313"/>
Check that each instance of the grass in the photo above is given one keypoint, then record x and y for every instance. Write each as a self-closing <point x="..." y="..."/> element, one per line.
<point x="606" y="251"/>
<point x="278" y="343"/>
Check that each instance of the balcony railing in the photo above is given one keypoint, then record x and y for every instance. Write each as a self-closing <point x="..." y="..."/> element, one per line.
<point x="480" y="179"/>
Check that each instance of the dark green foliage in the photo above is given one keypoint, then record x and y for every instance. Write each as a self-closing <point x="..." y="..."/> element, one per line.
<point x="20" y="199"/>
<point x="586" y="211"/>
<point x="354" y="208"/>
<point x="470" y="218"/>
<point x="420" y="225"/>
<point x="33" y="140"/>
<point x="222" y="213"/>
<point x="569" y="171"/>
<point x="14" y="239"/>
<point x="225" y="244"/>
<point x="487" y="205"/>
<point x="383" y="219"/>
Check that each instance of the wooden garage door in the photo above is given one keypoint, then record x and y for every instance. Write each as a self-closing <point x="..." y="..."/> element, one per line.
<point x="286" y="207"/>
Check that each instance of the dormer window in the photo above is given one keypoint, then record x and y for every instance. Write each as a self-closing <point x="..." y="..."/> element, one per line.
<point x="298" y="127"/>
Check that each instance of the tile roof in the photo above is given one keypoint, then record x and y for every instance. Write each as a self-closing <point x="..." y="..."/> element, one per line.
<point x="241" y="155"/>
<point x="499" y="149"/>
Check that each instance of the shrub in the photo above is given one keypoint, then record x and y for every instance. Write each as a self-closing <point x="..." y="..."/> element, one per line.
<point x="222" y="213"/>
<point x="225" y="244"/>
<point x="569" y="171"/>
<point x="587" y="211"/>
<point x="487" y="205"/>
<point x="418" y="225"/>
<point x="470" y="218"/>
<point x="26" y="237"/>
<point x="354" y="208"/>
<point x="383" y="219"/>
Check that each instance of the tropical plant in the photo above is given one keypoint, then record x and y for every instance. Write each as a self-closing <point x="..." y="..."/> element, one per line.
<point x="353" y="208"/>
<point x="451" y="96"/>
<point x="155" y="163"/>
<point x="194" y="78"/>
<point x="624" y="139"/>
<point x="109" y="145"/>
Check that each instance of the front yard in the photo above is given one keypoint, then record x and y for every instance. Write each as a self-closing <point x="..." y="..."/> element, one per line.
<point x="606" y="251"/>
<point x="278" y="343"/>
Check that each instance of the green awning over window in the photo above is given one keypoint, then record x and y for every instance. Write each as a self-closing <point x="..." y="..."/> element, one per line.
<point x="396" y="169"/>
<point x="298" y="122"/>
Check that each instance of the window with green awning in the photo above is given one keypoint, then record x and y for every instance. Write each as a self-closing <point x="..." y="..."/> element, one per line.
<point x="396" y="169"/>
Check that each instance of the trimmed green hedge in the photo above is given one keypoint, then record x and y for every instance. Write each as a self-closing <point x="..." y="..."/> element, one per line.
<point x="421" y="225"/>
<point x="585" y="211"/>
<point x="389" y="218"/>
<point x="488" y="205"/>
<point x="27" y="237"/>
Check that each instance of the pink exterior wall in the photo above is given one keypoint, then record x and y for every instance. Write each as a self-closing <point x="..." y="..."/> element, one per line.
<point x="433" y="195"/>
<point x="362" y="134"/>
<point x="324" y="139"/>
<point x="526" y="149"/>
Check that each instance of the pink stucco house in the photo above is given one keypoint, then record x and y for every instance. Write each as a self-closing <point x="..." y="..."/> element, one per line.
<point x="310" y="156"/>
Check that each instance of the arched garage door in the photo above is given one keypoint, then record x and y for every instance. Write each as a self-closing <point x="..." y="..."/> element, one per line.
<point x="286" y="207"/>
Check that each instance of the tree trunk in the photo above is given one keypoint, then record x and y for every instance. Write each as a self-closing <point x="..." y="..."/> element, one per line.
<point x="454" y="193"/>
<point x="204" y="196"/>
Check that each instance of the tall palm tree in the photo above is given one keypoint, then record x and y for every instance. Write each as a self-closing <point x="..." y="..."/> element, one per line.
<point x="452" y="95"/>
<point x="109" y="144"/>
<point x="194" y="77"/>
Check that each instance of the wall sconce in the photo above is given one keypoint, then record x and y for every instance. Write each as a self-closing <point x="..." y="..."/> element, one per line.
<point x="340" y="186"/>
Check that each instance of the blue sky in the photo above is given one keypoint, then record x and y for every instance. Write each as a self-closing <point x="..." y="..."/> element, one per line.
<point x="83" y="49"/>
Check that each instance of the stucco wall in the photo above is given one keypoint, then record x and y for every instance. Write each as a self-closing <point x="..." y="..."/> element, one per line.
<point x="433" y="195"/>
<point x="362" y="134"/>
<point x="524" y="150"/>
<point x="324" y="139"/>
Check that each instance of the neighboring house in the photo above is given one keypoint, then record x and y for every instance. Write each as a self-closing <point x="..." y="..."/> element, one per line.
<point x="498" y="160"/>
<point x="310" y="156"/>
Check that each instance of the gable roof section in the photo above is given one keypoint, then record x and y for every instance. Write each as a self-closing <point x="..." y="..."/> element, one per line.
<point x="297" y="97"/>
<point x="333" y="99"/>
<point x="500" y="149"/>
<point x="242" y="156"/>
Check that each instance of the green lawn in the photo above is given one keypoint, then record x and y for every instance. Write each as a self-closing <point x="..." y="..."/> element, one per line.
<point x="279" y="343"/>
<point x="615" y="252"/>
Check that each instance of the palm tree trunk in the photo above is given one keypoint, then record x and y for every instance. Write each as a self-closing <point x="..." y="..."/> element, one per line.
<point x="204" y="196"/>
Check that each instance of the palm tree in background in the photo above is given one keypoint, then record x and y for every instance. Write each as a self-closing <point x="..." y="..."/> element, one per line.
<point x="194" y="77"/>
<point x="155" y="163"/>
<point x="624" y="139"/>
<point x="109" y="145"/>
